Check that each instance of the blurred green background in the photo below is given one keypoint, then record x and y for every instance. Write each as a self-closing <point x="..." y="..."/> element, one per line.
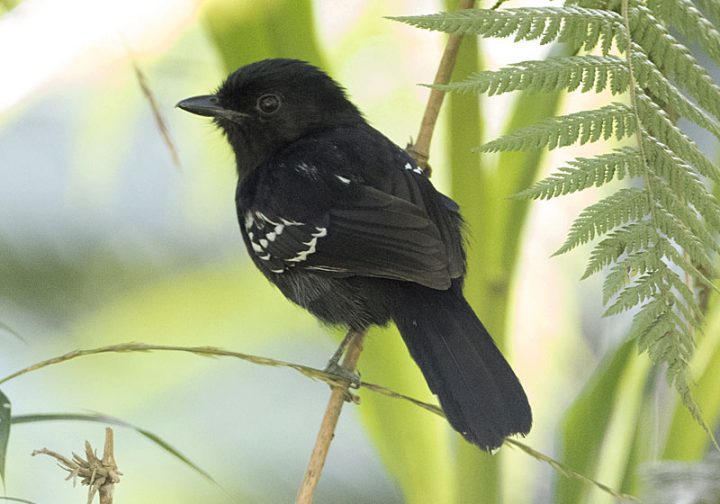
<point x="103" y="240"/>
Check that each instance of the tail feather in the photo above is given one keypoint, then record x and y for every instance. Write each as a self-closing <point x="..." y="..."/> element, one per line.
<point x="479" y="392"/>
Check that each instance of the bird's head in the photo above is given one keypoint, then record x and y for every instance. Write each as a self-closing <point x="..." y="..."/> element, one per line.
<point x="266" y="105"/>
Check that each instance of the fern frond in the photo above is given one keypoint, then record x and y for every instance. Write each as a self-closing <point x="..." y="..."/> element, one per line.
<point x="661" y="88"/>
<point x="644" y="287"/>
<point x="674" y="59"/>
<point x="660" y="332"/>
<point x="712" y="9"/>
<point x="659" y="240"/>
<point x="686" y="216"/>
<point x="681" y="177"/>
<point x="552" y="74"/>
<point x="624" y="206"/>
<point x="581" y="28"/>
<point x="586" y="172"/>
<point x="683" y="15"/>
<point x="632" y="237"/>
<point x="611" y="120"/>
<point x="624" y="270"/>
<point x="659" y="125"/>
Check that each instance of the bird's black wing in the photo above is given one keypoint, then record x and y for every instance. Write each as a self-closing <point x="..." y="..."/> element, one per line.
<point x="372" y="234"/>
<point x="303" y="211"/>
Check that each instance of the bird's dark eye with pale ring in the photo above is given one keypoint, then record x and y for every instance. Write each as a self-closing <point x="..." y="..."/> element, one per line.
<point x="268" y="104"/>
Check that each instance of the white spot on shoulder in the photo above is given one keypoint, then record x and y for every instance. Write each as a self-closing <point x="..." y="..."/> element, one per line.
<point x="306" y="169"/>
<point x="414" y="169"/>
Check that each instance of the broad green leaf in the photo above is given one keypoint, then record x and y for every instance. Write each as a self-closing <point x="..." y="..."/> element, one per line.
<point x="599" y="428"/>
<point x="105" y="419"/>
<point x="484" y="197"/>
<point x="244" y="32"/>
<point x="413" y="445"/>
<point x="686" y="440"/>
<point x="4" y="431"/>
<point x="477" y="474"/>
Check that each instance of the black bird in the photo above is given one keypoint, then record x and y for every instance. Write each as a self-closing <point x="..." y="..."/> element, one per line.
<point x="346" y="225"/>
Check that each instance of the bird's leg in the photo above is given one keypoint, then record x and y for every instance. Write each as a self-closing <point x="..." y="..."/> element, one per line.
<point x="334" y="366"/>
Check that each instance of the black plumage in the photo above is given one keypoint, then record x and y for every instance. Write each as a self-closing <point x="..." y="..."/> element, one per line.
<point x="347" y="226"/>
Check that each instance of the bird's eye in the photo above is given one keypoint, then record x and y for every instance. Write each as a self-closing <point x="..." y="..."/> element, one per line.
<point x="268" y="104"/>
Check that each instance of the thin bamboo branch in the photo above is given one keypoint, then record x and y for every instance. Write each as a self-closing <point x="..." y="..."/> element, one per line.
<point x="329" y="422"/>
<point x="420" y="150"/>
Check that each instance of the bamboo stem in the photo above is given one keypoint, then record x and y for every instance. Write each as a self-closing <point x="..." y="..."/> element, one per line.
<point x="327" y="427"/>
<point x="420" y="150"/>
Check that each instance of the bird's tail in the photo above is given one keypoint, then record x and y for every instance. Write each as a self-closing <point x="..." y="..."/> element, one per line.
<point x="479" y="392"/>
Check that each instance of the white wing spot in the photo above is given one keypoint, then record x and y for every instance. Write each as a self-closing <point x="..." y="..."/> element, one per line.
<point x="249" y="221"/>
<point x="279" y="228"/>
<point x="264" y="217"/>
<point x="414" y="169"/>
<point x="302" y="256"/>
<point x="263" y="243"/>
<point x="256" y="247"/>
<point x="342" y="179"/>
<point x="271" y="236"/>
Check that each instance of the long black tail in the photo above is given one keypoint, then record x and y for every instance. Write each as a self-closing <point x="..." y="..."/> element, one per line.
<point x="479" y="392"/>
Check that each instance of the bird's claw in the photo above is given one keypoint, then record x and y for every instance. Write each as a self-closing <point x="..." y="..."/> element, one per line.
<point x="344" y="373"/>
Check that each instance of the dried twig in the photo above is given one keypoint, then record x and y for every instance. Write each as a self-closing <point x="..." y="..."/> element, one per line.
<point x="157" y="115"/>
<point x="313" y="373"/>
<point x="100" y="475"/>
<point x="327" y="427"/>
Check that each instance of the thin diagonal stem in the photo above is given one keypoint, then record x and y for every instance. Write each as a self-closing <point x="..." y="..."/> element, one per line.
<point x="329" y="421"/>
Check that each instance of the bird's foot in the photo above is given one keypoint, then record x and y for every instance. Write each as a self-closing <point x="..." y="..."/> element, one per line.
<point x="353" y="377"/>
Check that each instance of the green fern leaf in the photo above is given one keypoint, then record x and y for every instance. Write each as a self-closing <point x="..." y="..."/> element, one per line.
<point x="683" y="15"/>
<point x="712" y="9"/>
<point x="644" y="287"/>
<point x="632" y="237"/>
<point x="586" y="172"/>
<point x="580" y="27"/>
<point x="675" y="229"/>
<point x="658" y="240"/>
<point x="624" y="206"/>
<point x="681" y="177"/>
<point x="669" y="201"/>
<point x="674" y="59"/>
<point x="659" y="125"/>
<point x="587" y="126"/>
<point x="552" y="74"/>
<point x="661" y="88"/>
<point x="623" y="271"/>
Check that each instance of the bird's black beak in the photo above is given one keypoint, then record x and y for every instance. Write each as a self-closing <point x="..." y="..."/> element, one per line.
<point x="206" y="105"/>
<point x="209" y="106"/>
